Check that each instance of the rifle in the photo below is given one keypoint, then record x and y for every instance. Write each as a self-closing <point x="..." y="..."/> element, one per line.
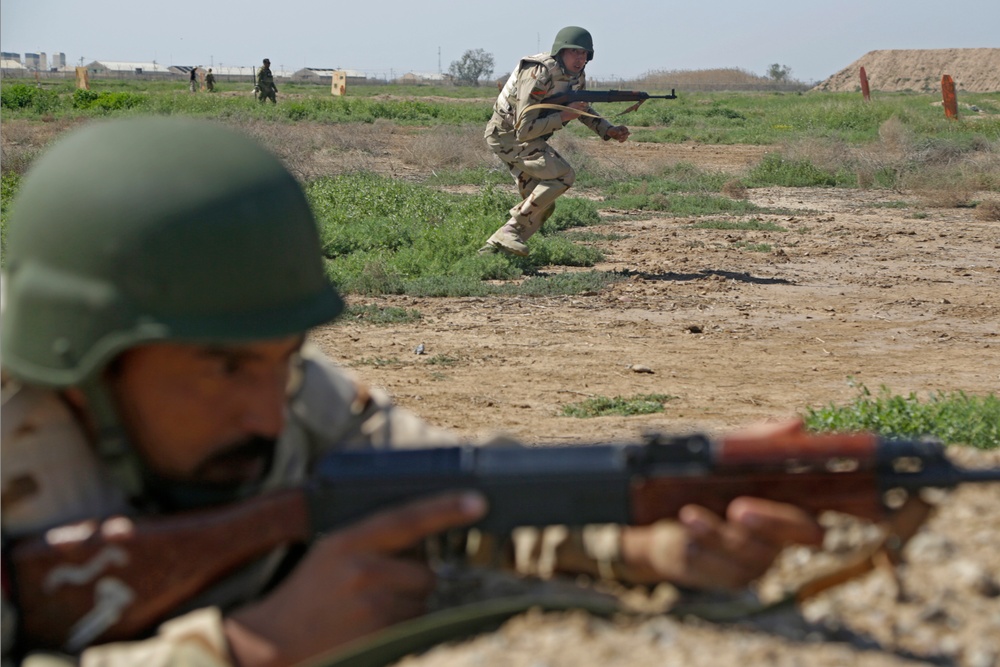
<point x="116" y="579"/>
<point x="591" y="96"/>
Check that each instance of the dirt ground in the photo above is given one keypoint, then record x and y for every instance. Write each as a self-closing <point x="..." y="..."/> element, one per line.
<point x="859" y="286"/>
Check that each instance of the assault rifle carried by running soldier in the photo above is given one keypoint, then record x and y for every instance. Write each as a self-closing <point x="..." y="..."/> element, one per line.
<point x="152" y="566"/>
<point x="562" y="101"/>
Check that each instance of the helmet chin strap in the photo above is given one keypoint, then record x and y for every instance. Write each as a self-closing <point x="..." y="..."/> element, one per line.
<point x="112" y="444"/>
<point x="141" y="485"/>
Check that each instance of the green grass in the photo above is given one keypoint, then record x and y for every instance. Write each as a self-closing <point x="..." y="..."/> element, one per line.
<point x="386" y="236"/>
<point x="602" y="406"/>
<point x="752" y="225"/>
<point x="377" y="362"/>
<point x="9" y="183"/>
<point x="380" y="315"/>
<point x="383" y="236"/>
<point x="952" y="417"/>
<point x="751" y="247"/>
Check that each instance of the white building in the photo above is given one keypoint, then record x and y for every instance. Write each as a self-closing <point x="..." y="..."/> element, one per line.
<point x="106" y="67"/>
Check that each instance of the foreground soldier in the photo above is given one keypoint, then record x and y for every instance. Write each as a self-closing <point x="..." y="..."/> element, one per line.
<point x="153" y="342"/>
<point x="519" y="132"/>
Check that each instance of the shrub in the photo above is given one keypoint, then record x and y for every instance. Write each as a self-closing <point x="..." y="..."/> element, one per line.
<point x="24" y="96"/>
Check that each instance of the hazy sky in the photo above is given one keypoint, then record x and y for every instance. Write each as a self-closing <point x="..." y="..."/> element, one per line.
<point x="391" y="37"/>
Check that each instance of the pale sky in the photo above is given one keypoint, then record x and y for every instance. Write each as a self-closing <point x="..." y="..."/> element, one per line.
<point x="392" y="37"/>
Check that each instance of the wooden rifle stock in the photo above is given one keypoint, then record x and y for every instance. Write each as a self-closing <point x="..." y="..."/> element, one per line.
<point x="116" y="579"/>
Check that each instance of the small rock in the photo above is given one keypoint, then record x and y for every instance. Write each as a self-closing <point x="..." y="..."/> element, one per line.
<point x="419" y="349"/>
<point x="929" y="548"/>
<point x="972" y="576"/>
<point x="694" y="328"/>
<point x="640" y="368"/>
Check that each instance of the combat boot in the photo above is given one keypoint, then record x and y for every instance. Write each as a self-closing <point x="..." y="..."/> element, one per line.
<point x="506" y="239"/>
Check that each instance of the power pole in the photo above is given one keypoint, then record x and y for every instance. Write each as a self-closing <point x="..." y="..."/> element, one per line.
<point x="439" y="60"/>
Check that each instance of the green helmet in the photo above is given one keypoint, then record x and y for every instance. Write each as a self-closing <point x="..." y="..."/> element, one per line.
<point x="155" y="229"/>
<point x="573" y="37"/>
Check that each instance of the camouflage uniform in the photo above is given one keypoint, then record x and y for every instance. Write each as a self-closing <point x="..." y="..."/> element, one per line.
<point x="519" y="136"/>
<point x="266" y="89"/>
<point x="210" y="81"/>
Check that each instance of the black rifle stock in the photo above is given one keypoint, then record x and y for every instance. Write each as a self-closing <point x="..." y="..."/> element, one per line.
<point x="156" y="564"/>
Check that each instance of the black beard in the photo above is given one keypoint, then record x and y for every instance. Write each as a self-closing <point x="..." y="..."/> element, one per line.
<point x="228" y="475"/>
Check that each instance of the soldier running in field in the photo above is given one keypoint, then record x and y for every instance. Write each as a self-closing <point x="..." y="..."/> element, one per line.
<point x="519" y="133"/>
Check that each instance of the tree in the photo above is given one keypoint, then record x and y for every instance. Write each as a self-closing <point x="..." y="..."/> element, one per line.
<point x="475" y="64"/>
<point x="778" y="72"/>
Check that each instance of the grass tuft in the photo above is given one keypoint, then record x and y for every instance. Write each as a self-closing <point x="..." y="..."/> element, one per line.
<point x="952" y="417"/>
<point x="602" y="406"/>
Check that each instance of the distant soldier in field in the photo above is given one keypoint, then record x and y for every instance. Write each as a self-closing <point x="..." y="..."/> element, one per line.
<point x="193" y="80"/>
<point x="265" y="87"/>
<point x="519" y="132"/>
<point x="210" y="81"/>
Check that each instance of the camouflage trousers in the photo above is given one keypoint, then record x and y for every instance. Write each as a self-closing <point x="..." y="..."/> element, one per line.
<point x="541" y="174"/>
<point x="267" y="93"/>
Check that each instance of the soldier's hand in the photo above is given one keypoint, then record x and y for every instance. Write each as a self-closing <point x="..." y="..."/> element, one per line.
<point x="704" y="550"/>
<point x="351" y="583"/>
<point x="619" y="132"/>
<point x="573" y="111"/>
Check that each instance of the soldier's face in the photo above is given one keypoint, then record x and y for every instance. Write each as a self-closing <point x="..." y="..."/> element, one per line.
<point x="208" y="414"/>
<point x="574" y="60"/>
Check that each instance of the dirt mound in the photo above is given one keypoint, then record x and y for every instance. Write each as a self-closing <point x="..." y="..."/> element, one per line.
<point x="974" y="70"/>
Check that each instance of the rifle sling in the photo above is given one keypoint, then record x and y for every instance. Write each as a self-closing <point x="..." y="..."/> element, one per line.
<point x="561" y="107"/>
<point x="557" y="107"/>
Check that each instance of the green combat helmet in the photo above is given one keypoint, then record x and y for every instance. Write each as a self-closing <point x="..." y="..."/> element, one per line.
<point x="574" y="37"/>
<point x="153" y="229"/>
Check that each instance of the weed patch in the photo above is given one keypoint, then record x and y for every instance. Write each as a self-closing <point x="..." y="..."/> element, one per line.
<point x="752" y="225"/>
<point x="380" y="315"/>
<point x="951" y="417"/>
<point x="601" y="406"/>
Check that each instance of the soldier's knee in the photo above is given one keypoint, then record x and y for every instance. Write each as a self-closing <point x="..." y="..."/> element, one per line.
<point x="569" y="178"/>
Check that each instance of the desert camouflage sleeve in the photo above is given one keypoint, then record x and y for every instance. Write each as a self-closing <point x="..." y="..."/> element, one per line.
<point x="533" y="86"/>
<point x="193" y="640"/>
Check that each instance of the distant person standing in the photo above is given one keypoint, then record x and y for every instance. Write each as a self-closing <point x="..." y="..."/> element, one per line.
<point x="194" y="80"/>
<point x="266" y="89"/>
<point x="210" y="81"/>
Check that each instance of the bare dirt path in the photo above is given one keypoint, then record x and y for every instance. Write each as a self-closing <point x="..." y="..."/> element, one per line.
<point x="867" y="285"/>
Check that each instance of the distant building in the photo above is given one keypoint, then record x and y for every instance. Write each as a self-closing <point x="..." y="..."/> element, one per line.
<point x="12" y="66"/>
<point x="7" y="55"/>
<point x="125" y="68"/>
<point x="58" y="61"/>
<point x="325" y="76"/>
<point x="424" y="78"/>
<point x="35" y="61"/>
